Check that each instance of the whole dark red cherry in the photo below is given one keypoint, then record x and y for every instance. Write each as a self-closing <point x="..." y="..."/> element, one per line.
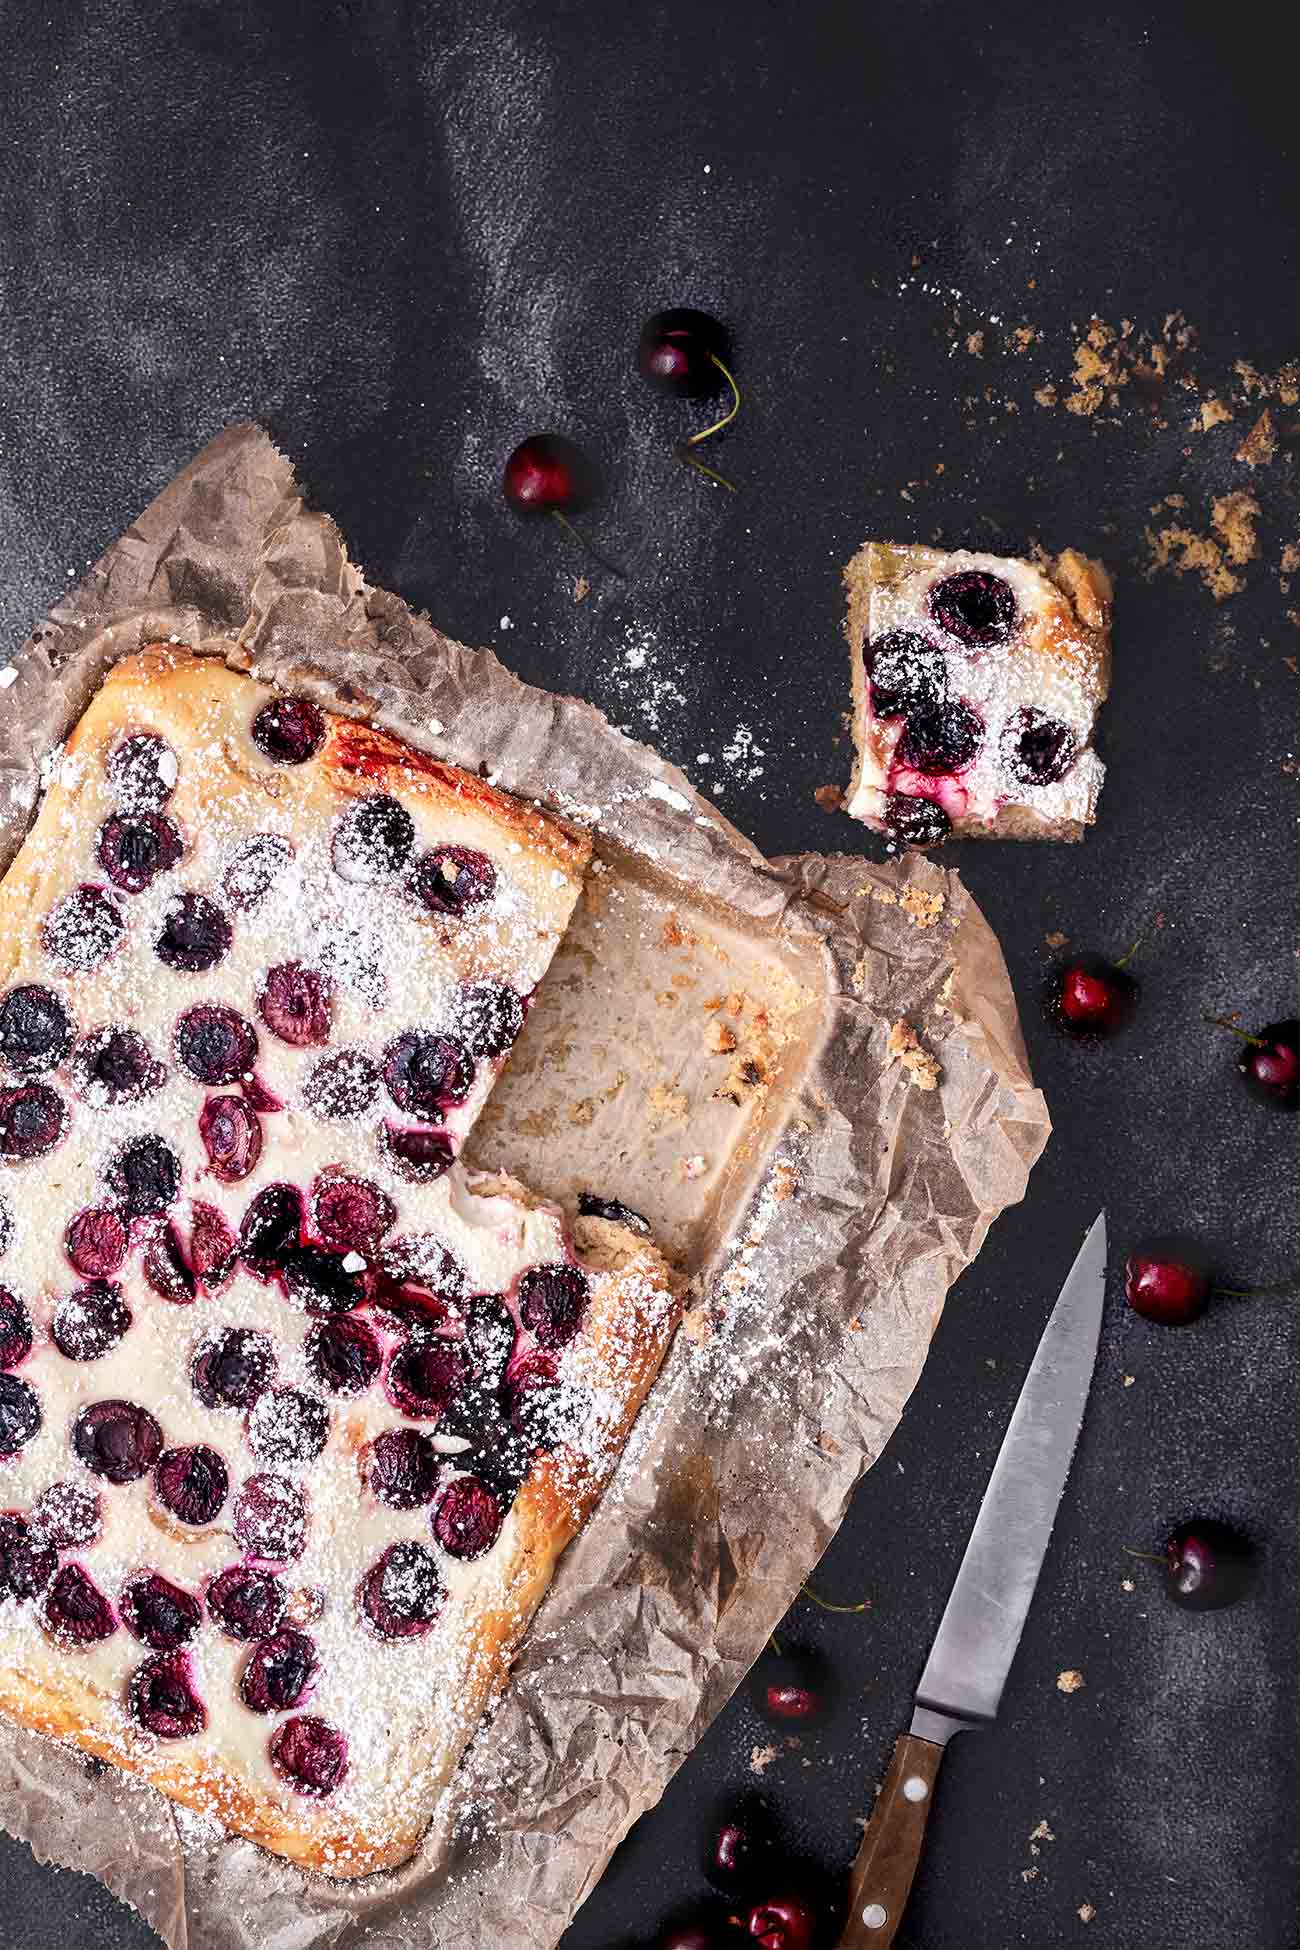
<point x="790" y="1688"/>
<point x="782" y="1923"/>
<point x="1091" y="997"/>
<point x="679" y="350"/>
<point x="1166" y="1283"/>
<point x="740" y="1849"/>
<point x="1269" y="1061"/>
<point x="545" y="475"/>
<point x="1207" y="1565"/>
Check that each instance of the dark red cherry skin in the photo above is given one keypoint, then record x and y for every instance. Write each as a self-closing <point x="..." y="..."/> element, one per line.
<point x="232" y="1137"/>
<point x="452" y="880"/>
<point x="1270" y="1064"/>
<point x="116" y="1440"/>
<point x="289" y="730"/>
<point x="1166" y="1286"/>
<point x="678" y="350"/>
<point x="789" y="1688"/>
<point x="145" y="1176"/>
<point x="417" y="1154"/>
<point x="350" y="1214"/>
<point x="468" y="1519"/>
<point x="135" y="847"/>
<point x="15" y="1329"/>
<point x="36" y="1031"/>
<point x="553" y="1302"/>
<point x="246" y="1603"/>
<point x="214" y="1043"/>
<point x="195" y="934"/>
<point x="232" y="1370"/>
<point x="489" y="1335"/>
<point x="158" y="1612"/>
<point x="343" y="1085"/>
<point x="427" y="1074"/>
<point x="192" y="1482"/>
<point x="591" y="1206"/>
<point x="531" y="1393"/>
<point x="83" y="930"/>
<point x="1036" y="749"/>
<point x="907" y="672"/>
<point x="422" y="1260"/>
<point x="310" y="1755"/>
<point x="489" y="1017"/>
<point x="271" y="1226"/>
<point x="942" y="739"/>
<point x="373" y="840"/>
<point x="1091" y="997"/>
<point x="20" y="1414"/>
<point x="1208" y="1565"/>
<point x="32" y="1120"/>
<point x="403" y="1468"/>
<point x="259" y="1096"/>
<point x="402" y="1595"/>
<point x="271" y="1519"/>
<point x="95" y="1242"/>
<point x="253" y="869"/>
<point x="977" y="608"/>
<point x="87" y="1323"/>
<point x="166" y="1268"/>
<point x="286" y="1427"/>
<point x="163" y="1700"/>
<point x="546" y="474"/>
<point x="142" y="772"/>
<point x="28" y="1559"/>
<point x="6" y="1228"/>
<point x="344" y="1355"/>
<point x="320" y="1281"/>
<point x="741" y="1849"/>
<point x="912" y="821"/>
<point x="782" y="1923"/>
<point x="423" y="1376"/>
<point x="115" y="1066"/>
<point x="213" y="1246"/>
<point x="295" y="1004"/>
<point x="67" y="1516"/>
<point x="75" y="1611"/>
<point x="280" y="1672"/>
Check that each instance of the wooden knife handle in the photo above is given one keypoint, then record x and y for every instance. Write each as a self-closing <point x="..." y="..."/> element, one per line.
<point x="882" y="1876"/>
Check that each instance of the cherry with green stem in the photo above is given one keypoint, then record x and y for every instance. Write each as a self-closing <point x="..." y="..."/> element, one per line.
<point x="1207" y="1564"/>
<point x="549" y="475"/>
<point x="1269" y="1061"/>
<point x="682" y="351"/>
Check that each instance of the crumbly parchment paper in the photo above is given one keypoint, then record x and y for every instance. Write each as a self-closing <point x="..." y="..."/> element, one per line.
<point x="822" y="1213"/>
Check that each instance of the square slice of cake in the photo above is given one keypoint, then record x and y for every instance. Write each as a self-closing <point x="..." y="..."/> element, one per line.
<point x="976" y="685"/>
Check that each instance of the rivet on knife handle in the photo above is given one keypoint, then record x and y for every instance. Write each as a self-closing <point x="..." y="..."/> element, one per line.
<point x="882" y="1876"/>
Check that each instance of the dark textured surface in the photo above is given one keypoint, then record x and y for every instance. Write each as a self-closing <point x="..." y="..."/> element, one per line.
<point x="403" y="236"/>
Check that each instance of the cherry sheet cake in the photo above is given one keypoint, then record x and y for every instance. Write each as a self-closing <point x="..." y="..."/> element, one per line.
<point x="976" y="684"/>
<point x="296" y="1413"/>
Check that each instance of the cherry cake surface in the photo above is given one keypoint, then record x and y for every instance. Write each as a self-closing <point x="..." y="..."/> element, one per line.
<point x="976" y="684"/>
<point x="296" y="1414"/>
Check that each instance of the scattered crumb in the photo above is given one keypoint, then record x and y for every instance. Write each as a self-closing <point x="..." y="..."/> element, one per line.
<point x="1056" y="939"/>
<point x="1028" y="1875"/>
<point x="975" y="345"/>
<point x="720" y="1039"/>
<point x="1260" y="445"/>
<point x="1086" y="1912"/>
<point x="1069" y="1682"/>
<point x="694" y="1167"/>
<point x="1290" y="558"/>
<point x="582" y="1111"/>
<point x="667" y="998"/>
<point x="669" y="1104"/>
<point x="581" y="590"/>
<point x="1127" y="1584"/>
<point x="1042" y="1833"/>
<point x="1046" y="395"/>
<point x="761" y="1758"/>
<point x="1234" y="516"/>
<point x="826" y="1441"/>
<point x="676" y="936"/>
<point x="904" y="1046"/>
<point x="1129" y="1379"/>
<point x="1022" y="338"/>
<point x="855" y="1324"/>
<point x="921" y="907"/>
<point x="697" y="1325"/>
<point x="1214" y="413"/>
<point x="785" y="1180"/>
<point x="829" y="797"/>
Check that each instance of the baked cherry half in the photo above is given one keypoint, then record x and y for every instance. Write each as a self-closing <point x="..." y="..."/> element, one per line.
<point x="343" y="1354"/>
<point x="246" y="1603"/>
<point x="427" y="1074"/>
<point x="271" y="1519"/>
<point x="941" y="739"/>
<point x="286" y="1427"/>
<point x="192" y="1482"/>
<point x="195" y="934"/>
<point x="453" y="879"/>
<point x="67" y="1515"/>
<point x="142" y="771"/>
<point x="83" y="930"/>
<point x="403" y="1469"/>
<point x="20" y="1414"/>
<point x="96" y="1242"/>
<point x="15" y="1329"/>
<point x="117" y="1440"/>
<point x="468" y="1518"/>
<point x="215" y="1043"/>
<point x="423" y="1376"/>
<point x="166" y="1268"/>
<point x="162" y="1698"/>
<point x="1036" y="749"/>
<point x="145" y="1176"/>
<point x="280" y="1672"/>
<point x="402" y="1594"/>
<point x="158" y="1612"/>
<point x="231" y="1135"/>
<point x="253" y="870"/>
<point x="288" y="730"/>
<point x="419" y="1155"/>
<point x="271" y="1225"/>
<point x="373" y="840"/>
<point x="135" y="847"/>
<point x="913" y="821"/>
<point x="233" y="1369"/>
<point x="75" y="1611"/>
<point x="295" y="1004"/>
<point x="907" y="672"/>
<point x="28" y="1559"/>
<point x="552" y="1303"/>
<point x="115" y="1066"/>
<point x="489" y="1017"/>
<point x="350" y="1214"/>
<point x="36" y="1031"/>
<point x="976" y="608"/>
<point x="323" y="1282"/>
<point x="310" y="1755"/>
<point x="32" y="1120"/>
<point x="343" y="1085"/>
<point x="87" y="1323"/>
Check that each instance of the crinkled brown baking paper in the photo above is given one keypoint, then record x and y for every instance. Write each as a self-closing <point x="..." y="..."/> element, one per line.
<point x="824" y="1232"/>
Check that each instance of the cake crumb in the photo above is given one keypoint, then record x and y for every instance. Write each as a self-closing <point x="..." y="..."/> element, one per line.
<point x="785" y="1180"/>
<point x="1069" y="1682"/>
<point x="922" y="907"/>
<point x="1213" y="413"/>
<point x="669" y="1104"/>
<point x="904" y="1046"/>
<point x="826" y="1441"/>
<point x="1127" y="1584"/>
<point x="1234" y="516"/>
<point x="1056" y="939"/>
<point x="581" y="590"/>
<point x="675" y="935"/>
<point x="829" y="797"/>
<point x="1042" y="1833"/>
<point x="720" y="1039"/>
<point x="1086" y="1912"/>
<point x="1129" y="1379"/>
<point x="693" y="1167"/>
<point x="1028" y="1875"/>
<point x="697" y="1325"/>
<point x="761" y="1758"/>
<point x="582" y="1112"/>
<point x="1046" y="395"/>
<point x="1259" y="447"/>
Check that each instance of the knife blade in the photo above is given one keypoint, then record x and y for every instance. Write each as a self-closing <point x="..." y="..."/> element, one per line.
<point x="961" y="1686"/>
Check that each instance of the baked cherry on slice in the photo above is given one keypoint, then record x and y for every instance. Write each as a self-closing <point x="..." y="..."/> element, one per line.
<point x="96" y="1242"/>
<point x="289" y="730"/>
<point x="940" y="739"/>
<point x="231" y="1135"/>
<point x="489" y="1016"/>
<point x="321" y="1281"/>
<point x="87" y="1323"/>
<point x="402" y="1594"/>
<point x="214" y="1043"/>
<point x="454" y="879"/>
<point x="6" y="1228"/>
<point x="403" y="1468"/>
<point x="287" y="1427"/>
<point x="117" y="1440"/>
<point x="975" y="607"/>
<point x="418" y="1154"/>
<point x="158" y="1612"/>
<point x="15" y="1329"/>
<point x="532" y="1397"/>
<point x="553" y="1301"/>
<point x="296" y="1003"/>
<point x="83" y="930"/>
<point x="343" y="1085"/>
<point x="468" y="1518"/>
<point x="1037" y="749"/>
<point x="135" y="847"/>
<point x="20" y="1414"/>
<point x="166" y="1268"/>
<point x="145" y="1176"/>
<point x="195" y="934"/>
<point x="233" y="1368"/>
<point x="163" y="1700"/>
<point x="213" y="1246"/>
<point x="271" y="1225"/>
<point x="373" y="840"/>
<point x="350" y="1214"/>
<point x="423" y="1376"/>
<point x="247" y="1603"/>
<point x="310" y="1755"/>
<point x="28" y="1559"/>
<point x="36" y="1031"/>
<point x="427" y="1074"/>
<point x="418" y="1279"/>
<point x="75" y="1611"/>
<point x="907" y="672"/>
<point x="142" y="771"/>
<point x="32" y="1120"/>
<point x="253" y="869"/>
<point x="280" y="1672"/>
<point x="914" y="821"/>
<point x="343" y="1354"/>
<point x="271" y="1519"/>
<point x="192" y="1482"/>
<point x="67" y="1516"/>
<point x="114" y="1066"/>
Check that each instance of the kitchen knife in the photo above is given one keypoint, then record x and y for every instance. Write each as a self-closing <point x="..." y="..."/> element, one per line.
<point x="980" y="1629"/>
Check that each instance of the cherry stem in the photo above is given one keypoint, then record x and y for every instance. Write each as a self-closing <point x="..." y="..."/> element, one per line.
<point x="692" y="460"/>
<point x="706" y="433"/>
<point x="1221" y="1022"/>
<point x="1145" y="1557"/>
<point x="826" y="1604"/>
<point x="775" y="1643"/>
<point x="1124" y="960"/>
<point x="1259" y="1292"/>
<point x="590" y="546"/>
